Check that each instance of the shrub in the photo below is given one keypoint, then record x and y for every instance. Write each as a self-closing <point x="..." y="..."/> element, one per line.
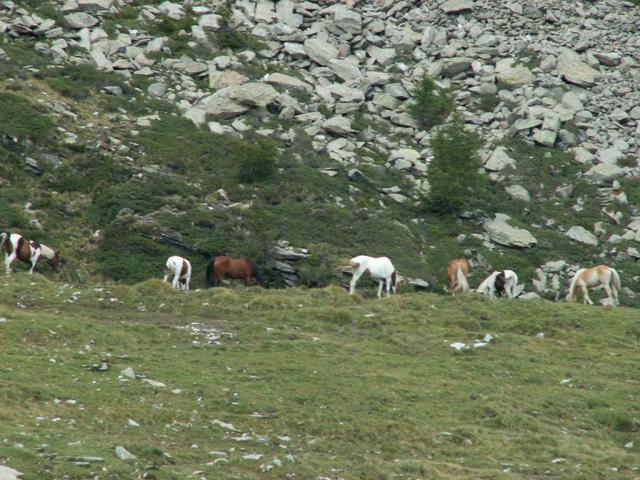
<point x="431" y="105"/>
<point x="453" y="172"/>
<point x="257" y="162"/>
<point x="20" y="119"/>
<point x="78" y="81"/>
<point x="229" y="37"/>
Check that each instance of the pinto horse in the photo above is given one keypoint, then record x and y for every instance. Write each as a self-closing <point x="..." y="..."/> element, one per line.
<point x="600" y="275"/>
<point x="15" y="246"/>
<point x="458" y="272"/>
<point x="181" y="270"/>
<point x="242" y="268"/>
<point x="504" y="283"/>
<point x="379" y="268"/>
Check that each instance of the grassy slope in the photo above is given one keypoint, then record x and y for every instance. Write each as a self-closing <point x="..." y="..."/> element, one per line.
<point x="362" y="388"/>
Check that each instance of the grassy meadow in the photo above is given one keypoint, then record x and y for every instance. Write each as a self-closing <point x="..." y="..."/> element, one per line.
<point x="312" y="384"/>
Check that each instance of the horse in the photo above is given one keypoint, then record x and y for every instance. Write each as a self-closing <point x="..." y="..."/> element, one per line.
<point x="15" y="246"/>
<point x="181" y="270"/>
<point x="379" y="268"/>
<point x="503" y="282"/>
<point x="458" y="272"/>
<point x="236" y="268"/>
<point x="600" y="275"/>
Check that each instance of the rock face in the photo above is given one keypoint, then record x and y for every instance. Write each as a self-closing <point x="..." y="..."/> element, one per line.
<point x="504" y="234"/>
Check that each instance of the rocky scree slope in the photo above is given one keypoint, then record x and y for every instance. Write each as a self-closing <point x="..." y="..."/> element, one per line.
<point x="156" y="104"/>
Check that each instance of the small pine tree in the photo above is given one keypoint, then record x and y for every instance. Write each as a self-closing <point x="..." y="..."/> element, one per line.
<point x="257" y="161"/>
<point x="431" y="105"/>
<point x="453" y="172"/>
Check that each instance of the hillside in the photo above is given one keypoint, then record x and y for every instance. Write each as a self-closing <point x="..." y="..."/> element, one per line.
<point x="313" y="384"/>
<point x="132" y="130"/>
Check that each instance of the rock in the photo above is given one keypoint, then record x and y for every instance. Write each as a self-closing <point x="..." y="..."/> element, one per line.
<point x="95" y="4"/>
<point x="513" y="75"/>
<point x="128" y="373"/>
<point x="287" y="82"/>
<point x="80" y="20"/>
<point x="457" y="6"/>
<point x="153" y="383"/>
<point x="518" y="192"/>
<point x="123" y="454"/>
<point x="347" y="19"/>
<point x="504" y="234"/>
<point x="174" y="11"/>
<point x="219" y="80"/>
<point x="529" y="296"/>
<point x="499" y="160"/>
<point x="404" y="158"/>
<point x="339" y="125"/>
<point x="232" y="101"/>
<point x="100" y="60"/>
<point x="382" y="56"/>
<point x="320" y="51"/>
<point x="539" y="280"/>
<point x="346" y="70"/>
<point x="7" y="473"/>
<point x="574" y="70"/>
<point x="157" y="89"/>
<point x="604" y="172"/>
<point x="580" y="234"/>
<point x="608" y="59"/>
<point x="455" y="65"/>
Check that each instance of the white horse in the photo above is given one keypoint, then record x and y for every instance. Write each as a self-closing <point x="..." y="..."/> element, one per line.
<point x="180" y="268"/>
<point x="600" y="275"/>
<point x="15" y="246"/>
<point x="379" y="268"/>
<point x="504" y="283"/>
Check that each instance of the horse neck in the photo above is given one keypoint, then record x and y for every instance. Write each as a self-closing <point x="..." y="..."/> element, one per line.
<point x="47" y="252"/>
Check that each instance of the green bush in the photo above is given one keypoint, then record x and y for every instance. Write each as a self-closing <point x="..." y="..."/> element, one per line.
<point x="79" y="81"/>
<point x="257" y="161"/>
<point x="20" y="119"/>
<point x="453" y="172"/>
<point x="229" y="37"/>
<point x="431" y="105"/>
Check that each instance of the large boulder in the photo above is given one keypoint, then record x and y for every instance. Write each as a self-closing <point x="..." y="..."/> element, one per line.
<point x="320" y="51"/>
<point x="504" y="234"/>
<point x="235" y="100"/>
<point x="499" y="160"/>
<point x="287" y="82"/>
<point x="574" y="70"/>
<point x="604" y="172"/>
<point x="582" y="235"/>
<point x="348" y="20"/>
<point x="80" y="20"/>
<point x="457" y="6"/>
<point x="512" y="74"/>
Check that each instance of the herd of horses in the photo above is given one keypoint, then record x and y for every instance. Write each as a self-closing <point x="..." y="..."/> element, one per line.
<point x="178" y="271"/>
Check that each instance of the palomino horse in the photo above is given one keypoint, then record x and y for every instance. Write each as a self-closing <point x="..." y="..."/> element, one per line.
<point x="227" y="267"/>
<point x="379" y="268"/>
<point x="458" y="272"/>
<point x="15" y="246"/>
<point x="600" y="275"/>
<point x="504" y="283"/>
<point x="180" y="268"/>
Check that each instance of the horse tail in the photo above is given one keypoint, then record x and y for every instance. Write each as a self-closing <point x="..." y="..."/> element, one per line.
<point x="4" y="236"/>
<point x="461" y="280"/>
<point x="210" y="279"/>
<point x="255" y="272"/>
<point x="572" y="286"/>
<point x="615" y="278"/>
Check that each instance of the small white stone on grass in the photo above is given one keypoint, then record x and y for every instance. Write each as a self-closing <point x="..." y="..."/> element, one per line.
<point x="123" y="454"/>
<point x="153" y="383"/>
<point x="225" y="425"/>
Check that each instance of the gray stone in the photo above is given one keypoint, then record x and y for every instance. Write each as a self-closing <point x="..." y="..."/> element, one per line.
<point x="455" y="65"/>
<point x="518" y="192"/>
<point x="513" y="75"/>
<point x="345" y="69"/>
<point x="604" y="172"/>
<point x="499" y="160"/>
<point x="123" y="454"/>
<point x="504" y="234"/>
<point x="157" y="89"/>
<point x="339" y="125"/>
<point x="347" y="19"/>
<point x="457" y="6"/>
<point x="174" y="11"/>
<point x="95" y="4"/>
<point x="574" y="70"/>
<point x="320" y="51"/>
<point x="580" y="234"/>
<point x="381" y="56"/>
<point x="608" y="59"/>
<point x="287" y="82"/>
<point x="529" y="296"/>
<point x="80" y="20"/>
<point x="404" y="158"/>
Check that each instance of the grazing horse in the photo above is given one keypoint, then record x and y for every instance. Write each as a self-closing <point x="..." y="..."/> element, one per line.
<point x="502" y="282"/>
<point x="228" y="267"/>
<point x="458" y="272"/>
<point x="600" y="275"/>
<point x="181" y="270"/>
<point x="379" y="268"/>
<point x="15" y="246"/>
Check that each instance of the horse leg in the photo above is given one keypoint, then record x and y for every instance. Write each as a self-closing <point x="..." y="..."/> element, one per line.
<point x="8" y="261"/>
<point x="176" y="279"/>
<point x="354" y="279"/>
<point x="585" y="294"/>
<point x="380" y="288"/>
<point x="388" y="282"/>
<point x="186" y="282"/>
<point x="247" y="281"/>
<point x="607" y="289"/>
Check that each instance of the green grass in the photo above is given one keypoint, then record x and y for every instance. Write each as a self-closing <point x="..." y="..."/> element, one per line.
<point x="330" y="385"/>
<point x="19" y="118"/>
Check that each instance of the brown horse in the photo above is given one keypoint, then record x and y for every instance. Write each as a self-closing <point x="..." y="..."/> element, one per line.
<point x="242" y="268"/>
<point x="458" y="272"/>
<point x="15" y="246"/>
